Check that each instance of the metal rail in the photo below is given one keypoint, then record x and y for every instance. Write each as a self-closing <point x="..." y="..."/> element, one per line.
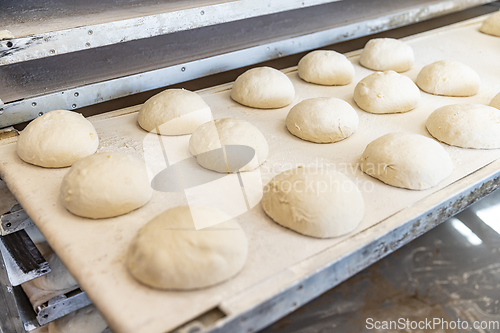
<point x="29" y="108"/>
<point x="79" y="38"/>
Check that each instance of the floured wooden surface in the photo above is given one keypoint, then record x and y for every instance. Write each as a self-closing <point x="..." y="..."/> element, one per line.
<point x="94" y="250"/>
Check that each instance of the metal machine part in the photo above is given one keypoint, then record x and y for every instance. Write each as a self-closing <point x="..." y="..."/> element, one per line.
<point x="142" y="66"/>
<point x="23" y="261"/>
<point x="15" y="220"/>
<point x="62" y="305"/>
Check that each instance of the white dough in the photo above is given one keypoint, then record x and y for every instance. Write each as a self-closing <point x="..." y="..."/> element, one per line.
<point x="105" y="185"/>
<point x="263" y="88"/>
<point x="382" y="54"/>
<point x="314" y="202"/>
<point x="386" y="92"/>
<point x="174" y="112"/>
<point x="406" y="160"/>
<point x="57" y="139"/>
<point x="328" y="68"/>
<point x="495" y="102"/>
<point x="466" y="125"/>
<point x="322" y="120"/>
<point x="59" y="278"/>
<point x="227" y="132"/>
<point x="169" y="253"/>
<point x="449" y="78"/>
<point x="491" y="25"/>
<point x="84" y="320"/>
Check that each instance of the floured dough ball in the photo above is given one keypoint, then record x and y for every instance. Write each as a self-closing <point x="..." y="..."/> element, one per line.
<point x="245" y="148"/>
<point x="382" y="54"/>
<point x="322" y="120"/>
<point x="495" y="102"/>
<point x="58" y="278"/>
<point x="405" y="160"/>
<point x="386" y="92"/>
<point x="263" y="88"/>
<point x="57" y="139"/>
<point x="314" y="202"/>
<point x="491" y="25"/>
<point x="328" y="68"/>
<point x="169" y="253"/>
<point x="105" y="185"/>
<point x="84" y="320"/>
<point x="466" y="125"/>
<point x="449" y="78"/>
<point x="174" y="112"/>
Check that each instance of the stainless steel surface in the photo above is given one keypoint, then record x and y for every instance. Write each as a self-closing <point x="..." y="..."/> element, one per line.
<point x="61" y="306"/>
<point x="23" y="262"/>
<point x="10" y="320"/>
<point x="450" y="273"/>
<point x="198" y="54"/>
<point x="16" y="312"/>
<point x="81" y="36"/>
<point x="16" y="219"/>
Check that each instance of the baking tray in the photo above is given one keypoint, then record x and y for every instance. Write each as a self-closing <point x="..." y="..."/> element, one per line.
<point x="284" y="269"/>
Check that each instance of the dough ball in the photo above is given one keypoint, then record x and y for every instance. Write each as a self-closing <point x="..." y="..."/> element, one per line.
<point x="314" y="202"/>
<point x="449" y="78"/>
<point x="84" y="320"/>
<point x="491" y="25"/>
<point x="263" y="88"/>
<point x="58" y="278"/>
<point x="328" y="68"/>
<point x="495" y="102"/>
<point x="406" y="160"/>
<point x="105" y="185"/>
<point x="382" y="54"/>
<point x="322" y="120"/>
<point x="169" y="253"/>
<point x="386" y="92"/>
<point x="234" y="134"/>
<point x="174" y="112"/>
<point x="57" y="139"/>
<point x="466" y="125"/>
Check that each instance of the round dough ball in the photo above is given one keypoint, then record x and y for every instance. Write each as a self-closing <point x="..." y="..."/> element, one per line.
<point x="328" y="68"/>
<point x="466" y="125"/>
<point x="314" y="202"/>
<point x="495" y="102"/>
<point x="386" y="92"/>
<point x="382" y="54"/>
<point x="211" y="136"/>
<point x="57" y="139"/>
<point x="105" y="185"/>
<point x="174" y="112"/>
<point x="84" y="320"/>
<point x="169" y="253"/>
<point x="263" y="88"/>
<point x="58" y="278"/>
<point x="491" y="25"/>
<point x="322" y="120"/>
<point x="449" y="78"/>
<point x="405" y="160"/>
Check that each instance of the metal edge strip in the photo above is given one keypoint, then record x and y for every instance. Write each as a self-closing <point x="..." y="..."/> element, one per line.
<point x="84" y="37"/>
